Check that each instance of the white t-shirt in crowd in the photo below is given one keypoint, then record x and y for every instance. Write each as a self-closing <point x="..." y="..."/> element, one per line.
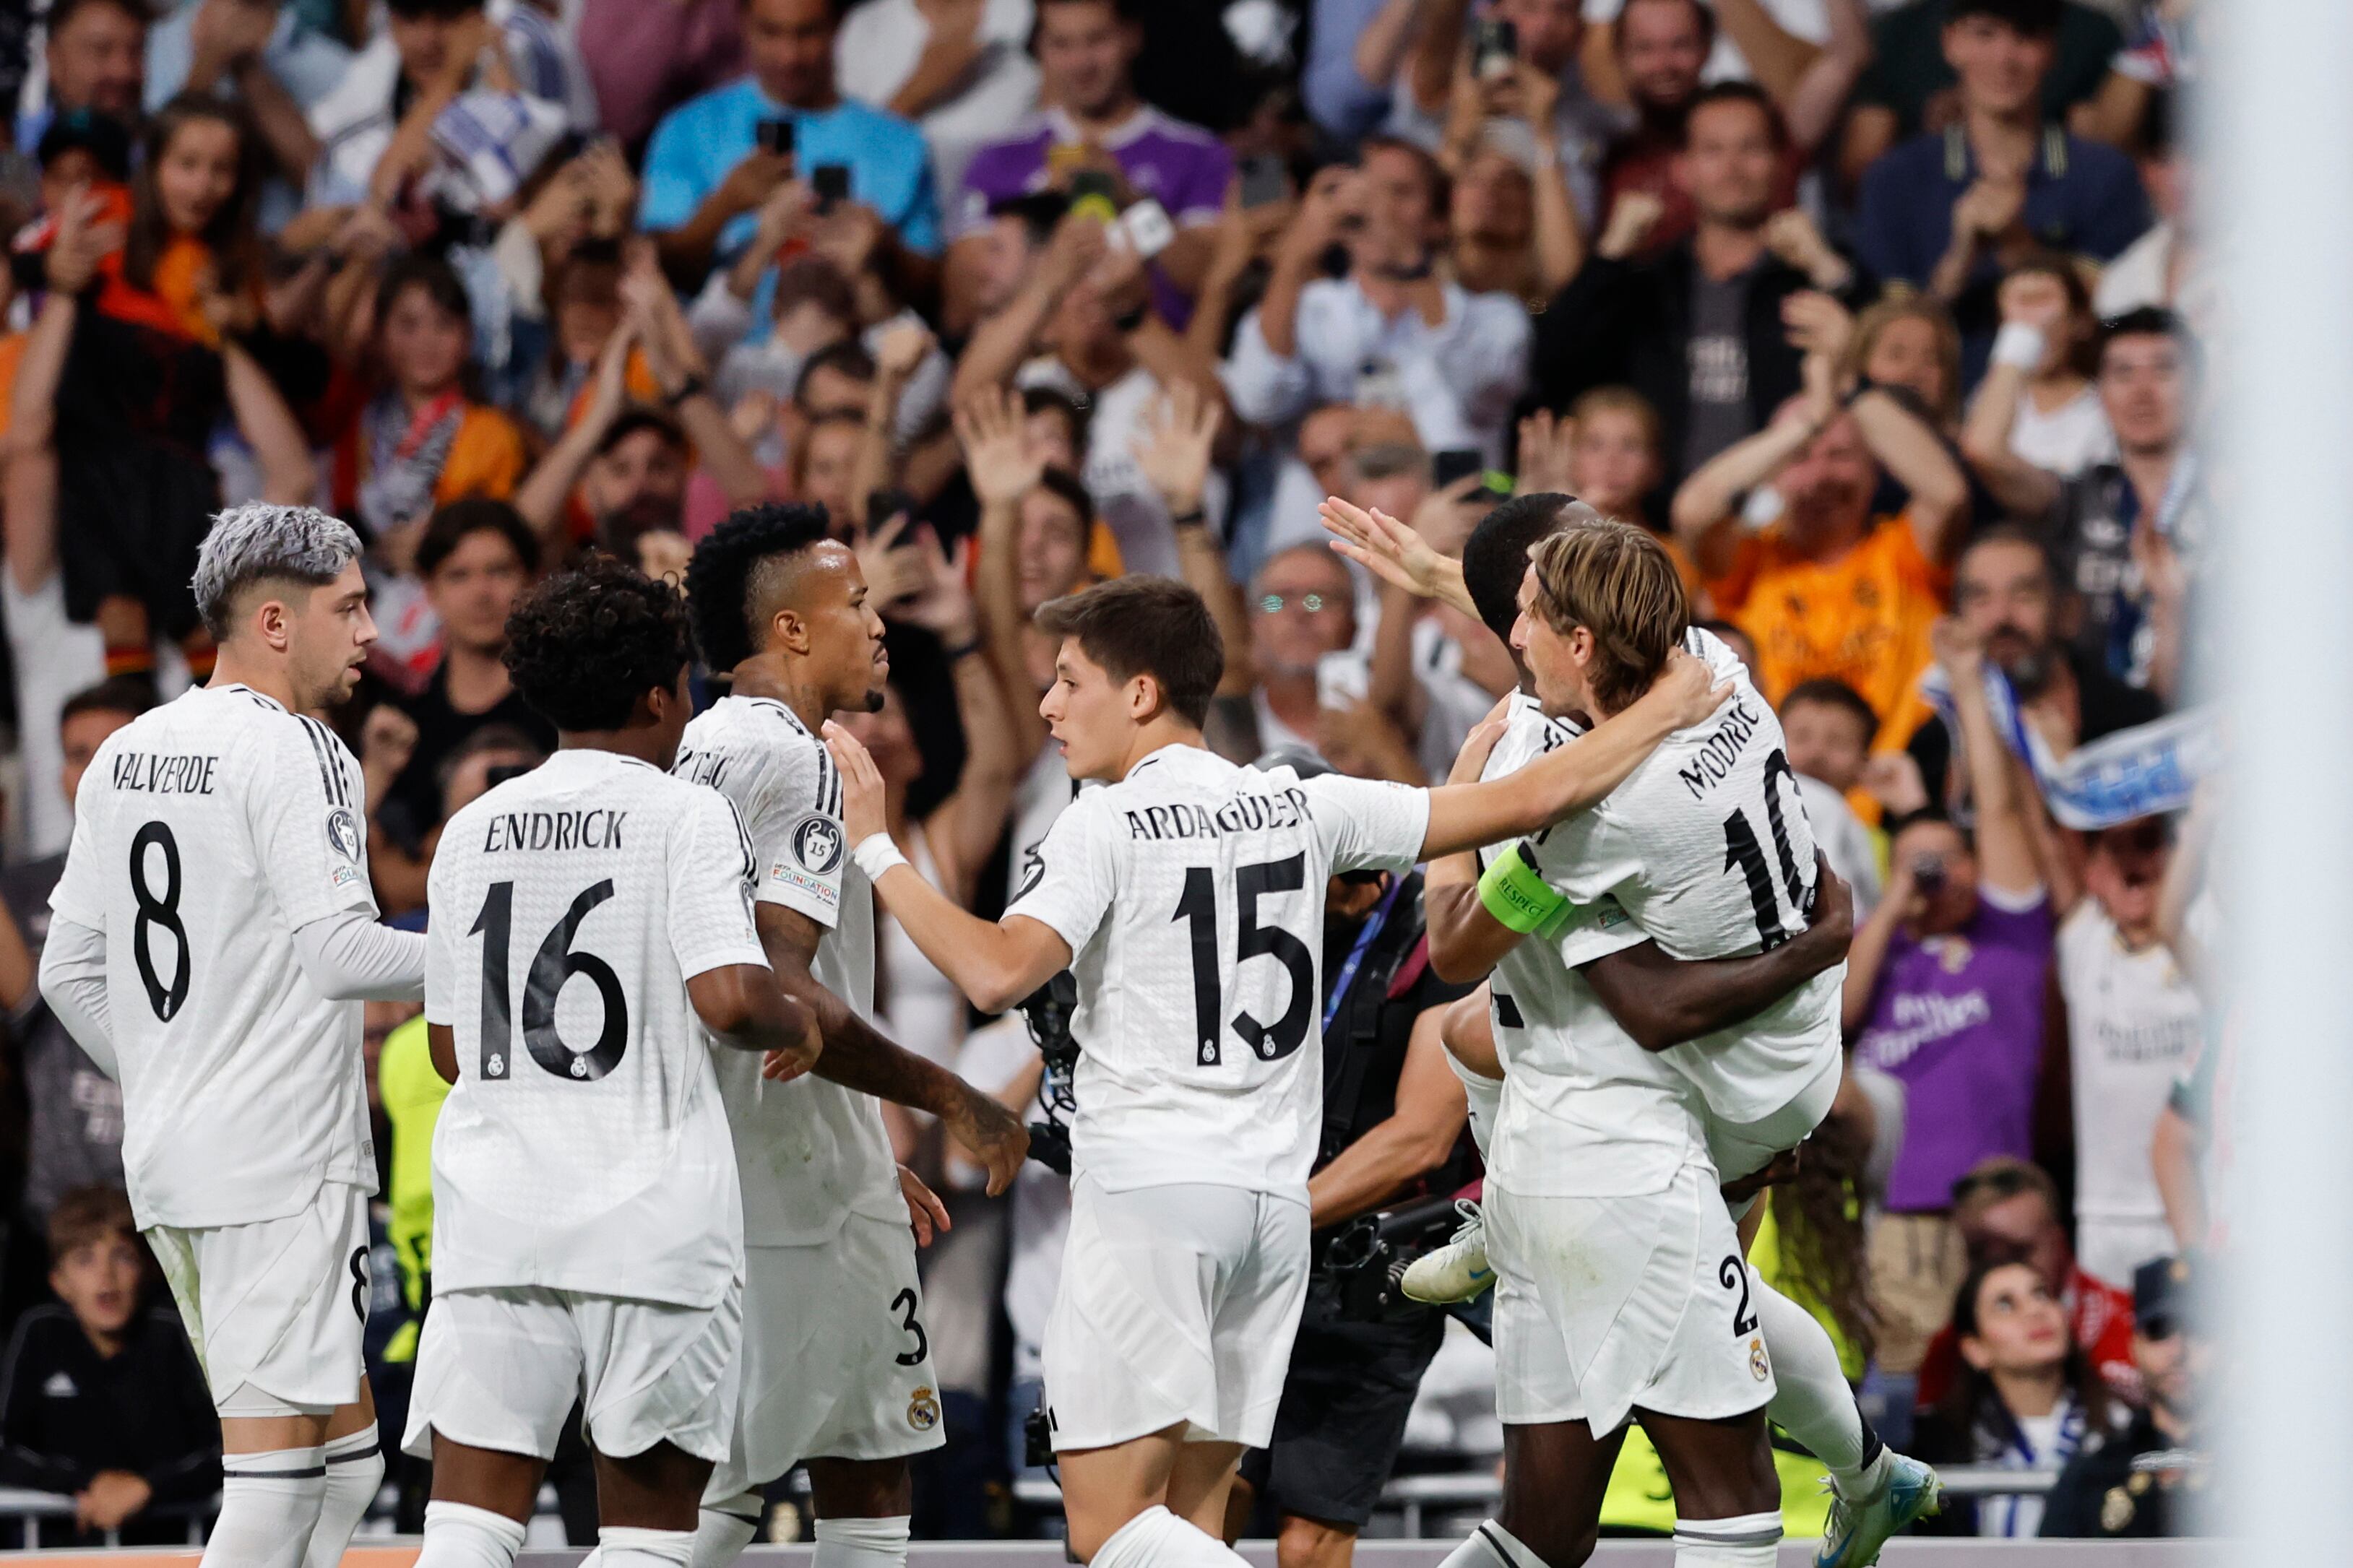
<point x="2066" y="440"/>
<point x="2133" y="1026"/>
<point x="1840" y="834"/>
<point x="1802" y="19"/>
<point x="1191" y="894"/>
<point x="54" y="659"/>
<point x="876" y="50"/>
<point x="1707" y="849"/>
<point x="207" y="833"/>
<point x="584" y="1146"/>
<point x="1587" y="1113"/>
<point x="811" y="1152"/>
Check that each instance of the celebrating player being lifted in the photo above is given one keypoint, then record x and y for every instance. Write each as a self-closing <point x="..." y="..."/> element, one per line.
<point x="835" y="1368"/>
<point x="213" y="939"/>
<point x="1186" y="896"/>
<point x="1606" y="1147"/>
<point x="587" y="1231"/>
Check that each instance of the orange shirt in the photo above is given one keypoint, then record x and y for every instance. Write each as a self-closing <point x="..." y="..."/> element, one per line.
<point x="1862" y="617"/>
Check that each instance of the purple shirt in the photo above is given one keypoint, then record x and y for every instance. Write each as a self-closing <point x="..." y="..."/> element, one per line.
<point x="1958" y="1018"/>
<point x="1182" y="167"/>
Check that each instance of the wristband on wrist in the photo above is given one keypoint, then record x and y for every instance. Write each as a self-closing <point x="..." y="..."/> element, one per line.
<point x="1128" y="321"/>
<point x="961" y="650"/>
<point x="687" y="388"/>
<point x="1191" y="517"/>
<point x="2019" y="344"/>
<point x="875" y="855"/>
<point x="1511" y="891"/>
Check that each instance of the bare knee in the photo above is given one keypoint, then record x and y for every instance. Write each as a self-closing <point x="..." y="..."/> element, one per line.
<point x="1314" y="1544"/>
<point x="1561" y="1542"/>
<point x="860" y="1489"/>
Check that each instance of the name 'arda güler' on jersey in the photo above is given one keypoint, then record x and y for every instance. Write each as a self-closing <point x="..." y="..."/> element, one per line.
<point x="1243" y="813"/>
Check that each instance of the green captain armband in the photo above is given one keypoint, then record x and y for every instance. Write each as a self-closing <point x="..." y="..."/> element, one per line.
<point x="1511" y="891"/>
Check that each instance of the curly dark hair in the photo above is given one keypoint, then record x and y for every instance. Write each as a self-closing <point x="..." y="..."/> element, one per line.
<point x="723" y="575"/>
<point x="586" y="644"/>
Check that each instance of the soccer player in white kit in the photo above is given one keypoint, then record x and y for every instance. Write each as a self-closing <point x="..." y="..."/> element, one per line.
<point x="591" y="922"/>
<point x="836" y="1367"/>
<point x="1631" y="988"/>
<point x="1186" y="897"/>
<point x="214" y="938"/>
<point x="1702" y="851"/>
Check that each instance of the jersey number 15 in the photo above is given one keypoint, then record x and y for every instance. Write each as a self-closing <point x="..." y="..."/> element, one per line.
<point x="1198" y="908"/>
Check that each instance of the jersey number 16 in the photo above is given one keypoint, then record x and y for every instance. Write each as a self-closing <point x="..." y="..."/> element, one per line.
<point x="551" y="966"/>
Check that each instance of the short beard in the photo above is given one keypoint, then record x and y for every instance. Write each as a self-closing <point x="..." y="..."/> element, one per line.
<point x="872" y="702"/>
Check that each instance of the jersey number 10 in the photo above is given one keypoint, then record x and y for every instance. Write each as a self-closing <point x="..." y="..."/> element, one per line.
<point x="551" y="966"/>
<point x="1742" y="851"/>
<point x="1198" y="907"/>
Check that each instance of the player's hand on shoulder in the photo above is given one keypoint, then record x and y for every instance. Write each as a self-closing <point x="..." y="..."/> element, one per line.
<point x="1690" y="686"/>
<point x="926" y="1215"/>
<point x="1471" y="762"/>
<point x="862" y="815"/>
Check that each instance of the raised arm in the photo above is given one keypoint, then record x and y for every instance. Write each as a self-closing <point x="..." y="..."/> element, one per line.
<point x="547" y="489"/>
<point x="1662" y="1002"/>
<point x="999" y="345"/>
<point x="1174" y="449"/>
<point x="2005" y="851"/>
<point x="1777" y="58"/>
<point x="964" y="828"/>
<point x="288" y="474"/>
<point x="2022" y="488"/>
<point x="684" y="377"/>
<point x="858" y="1056"/>
<point x="994" y="964"/>
<point x="1915" y="458"/>
<point x="1867" y="954"/>
<point x="1813" y="107"/>
<point x="1704" y="522"/>
<point x="997" y="460"/>
<point x="1394" y="552"/>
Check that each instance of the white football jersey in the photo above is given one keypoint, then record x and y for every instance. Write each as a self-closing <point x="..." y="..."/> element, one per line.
<point x="1707" y="848"/>
<point x="1191" y="893"/>
<point x="811" y="1152"/>
<point x="584" y="1146"/>
<point x="206" y="834"/>
<point x="1587" y="1113"/>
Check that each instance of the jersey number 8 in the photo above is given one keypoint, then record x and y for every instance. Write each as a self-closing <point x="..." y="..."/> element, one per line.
<point x="551" y="966"/>
<point x="1200" y="907"/>
<point x="158" y="910"/>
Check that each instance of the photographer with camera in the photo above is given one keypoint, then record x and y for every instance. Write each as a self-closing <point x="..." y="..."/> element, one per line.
<point x="1946" y="989"/>
<point x="1395" y="1149"/>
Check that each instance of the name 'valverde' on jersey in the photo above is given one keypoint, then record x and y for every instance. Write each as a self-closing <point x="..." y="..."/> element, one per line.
<point x="584" y="1147"/>
<point x="811" y="1152"/>
<point x="206" y="832"/>
<point x="1191" y="893"/>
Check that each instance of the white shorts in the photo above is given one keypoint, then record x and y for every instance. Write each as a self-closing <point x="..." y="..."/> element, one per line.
<point x="1742" y="1149"/>
<point x="1178" y="1305"/>
<point x="1534" y="1385"/>
<point x="834" y="1363"/>
<point x="276" y="1308"/>
<point x="500" y="1368"/>
<point x="1649" y="1297"/>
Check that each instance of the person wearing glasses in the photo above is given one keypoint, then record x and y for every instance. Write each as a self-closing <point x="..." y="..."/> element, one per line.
<point x="1302" y="608"/>
<point x="2149" y="1481"/>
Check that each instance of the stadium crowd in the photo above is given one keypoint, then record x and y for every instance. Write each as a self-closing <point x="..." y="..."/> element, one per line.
<point x="1888" y="317"/>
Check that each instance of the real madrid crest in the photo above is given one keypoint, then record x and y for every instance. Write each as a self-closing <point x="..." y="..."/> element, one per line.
<point x="1759" y="1366"/>
<point x="923" y="1410"/>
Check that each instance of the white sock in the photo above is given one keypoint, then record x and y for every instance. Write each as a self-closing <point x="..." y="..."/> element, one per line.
<point x="354" y="1471"/>
<point x="1492" y="1546"/>
<point x="726" y="1528"/>
<point x="863" y="1542"/>
<point x="1751" y="1541"/>
<point x="626" y="1546"/>
<point x="1158" y="1538"/>
<point x="459" y="1535"/>
<point x="1812" y="1401"/>
<point x="269" y="1501"/>
<point x="1486" y="1095"/>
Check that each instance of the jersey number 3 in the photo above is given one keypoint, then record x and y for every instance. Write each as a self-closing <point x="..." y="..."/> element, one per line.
<point x="1741" y="849"/>
<point x="1198" y="907"/>
<point x="551" y="966"/>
